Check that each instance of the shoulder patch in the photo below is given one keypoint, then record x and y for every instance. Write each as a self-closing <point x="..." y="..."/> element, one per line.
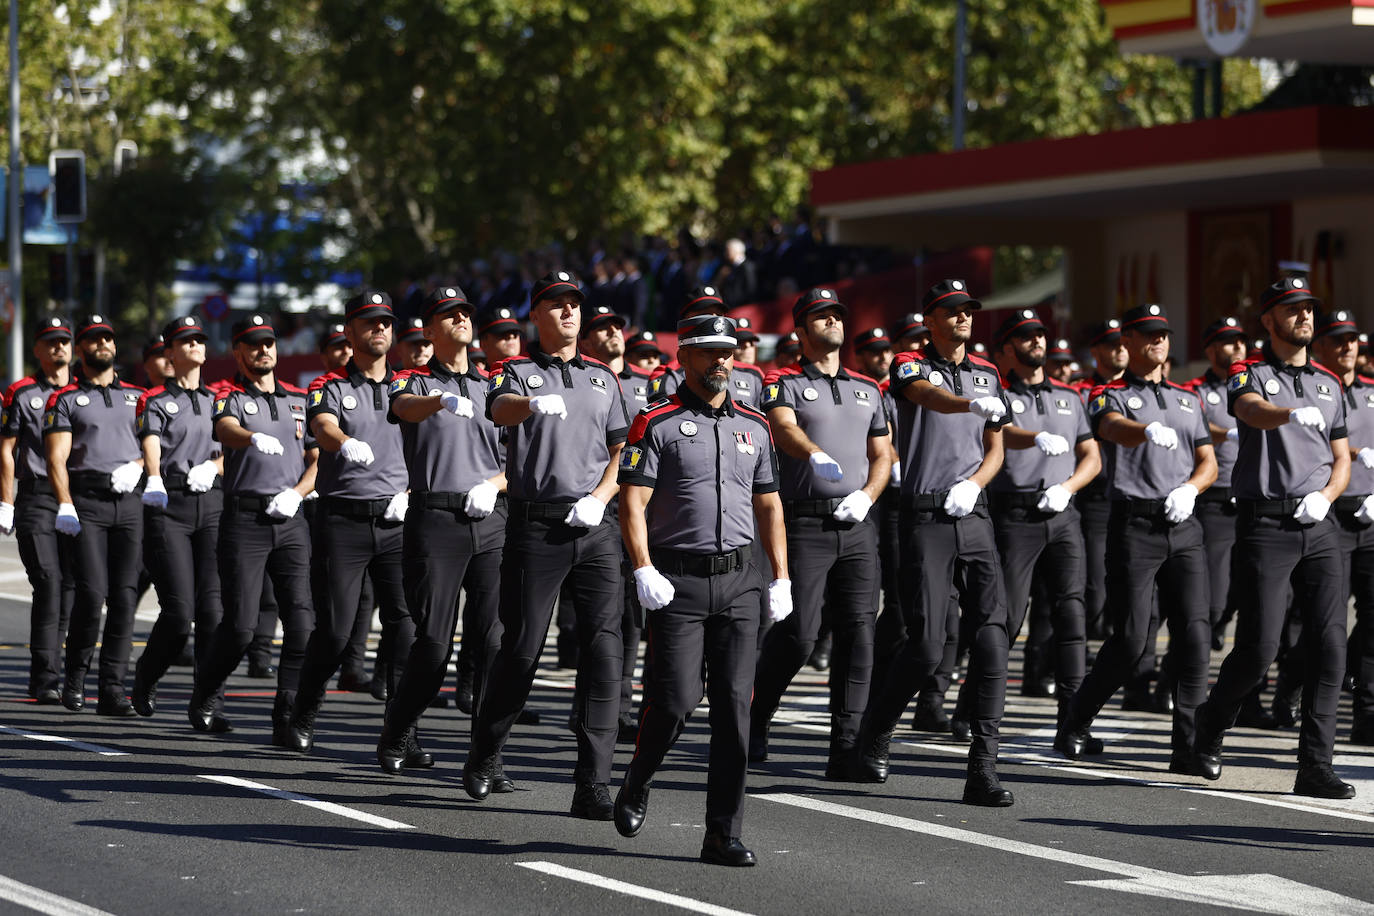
<point x="631" y="457"/>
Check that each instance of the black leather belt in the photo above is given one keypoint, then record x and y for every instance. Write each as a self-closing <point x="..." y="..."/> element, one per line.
<point x="529" y="509"/>
<point x="89" y="483"/>
<point x="1350" y="504"/>
<point x="935" y="502"/>
<point x="1268" y="508"/>
<point x="1140" y="508"/>
<point x="682" y="563"/>
<point x="1013" y="500"/>
<point x="1096" y="489"/>
<point x="176" y="483"/>
<point x="1215" y="495"/>
<point x="31" y="485"/>
<point x="355" y="508"/>
<point x="446" y="499"/>
<point x="812" y="508"/>
<point x="247" y="503"/>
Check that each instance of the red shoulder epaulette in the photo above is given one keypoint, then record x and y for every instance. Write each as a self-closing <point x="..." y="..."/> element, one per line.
<point x="12" y="390"/>
<point x="52" y="398"/>
<point x="1242" y="365"/>
<point x="292" y="388"/>
<point x="321" y="380"/>
<point x="775" y="374"/>
<point x="1330" y="373"/>
<point x="987" y="364"/>
<point x="143" y="399"/>
<point x="657" y="409"/>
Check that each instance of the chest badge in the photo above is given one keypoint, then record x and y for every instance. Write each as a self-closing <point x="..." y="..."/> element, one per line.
<point x="936" y="378"/>
<point x="1272" y="386"/>
<point x="130" y="398"/>
<point x="1018" y="406"/>
<point x="82" y="400"/>
<point x="172" y="407"/>
<point x="1213" y="398"/>
<point x="535" y="381"/>
<point x="250" y="407"/>
<point x="810" y="394"/>
<point x="744" y="441"/>
<point x="641" y="391"/>
<point x="1134" y="402"/>
<point x="599" y="383"/>
<point x="35" y="402"/>
<point x="688" y="428"/>
<point x="349" y="402"/>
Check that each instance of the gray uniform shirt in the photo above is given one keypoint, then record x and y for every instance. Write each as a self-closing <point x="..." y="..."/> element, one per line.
<point x="447" y="453"/>
<point x="360" y="407"/>
<point x="1359" y="425"/>
<point x="1211" y="388"/>
<point x="746" y="383"/>
<point x="1291" y="461"/>
<point x="101" y="421"/>
<point x="180" y="419"/>
<point x="704" y="465"/>
<point x="552" y="459"/>
<point x="25" y="403"/>
<point x="634" y="385"/>
<point x="950" y="445"/>
<point x="279" y="413"/>
<point x="1047" y="407"/>
<point x="1148" y="471"/>
<point x="839" y="414"/>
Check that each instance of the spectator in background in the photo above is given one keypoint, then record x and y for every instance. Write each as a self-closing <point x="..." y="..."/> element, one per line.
<point x="632" y="293"/>
<point x="738" y="277"/>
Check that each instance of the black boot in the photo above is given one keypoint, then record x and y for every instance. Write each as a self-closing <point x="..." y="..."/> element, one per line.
<point x="392" y="746"/>
<point x="820" y="655"/>
<point x="145" y="692"/>
<point x="281" y="722"/>
<point x="930" y="713"/>
<point x="873" y="762"/>
<point x="1254" y="715"/>
<point x="1206" y="759"/>
<point x="113" y="703"/>
<point x="1318" y="780"/>
<point x="631" y="808"/>
<point x="982" y="787"/>
<point x="300" y="725"/>
<point x="74" y="690"/>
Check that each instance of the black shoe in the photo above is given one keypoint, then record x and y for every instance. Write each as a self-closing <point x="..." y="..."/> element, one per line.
<point x="627" y="731"/>
<point x="726" y="850"/>
<point x="1318" y="780"/>
<point x="462" y="699"/>
<point x="1137" y="699"/>
<point x="48" y="696"/>
<point x="1348" y="683"/>
<point x="261" y="671"/>
<point x="417" y="758"/>
<point x="300" y="731"/>
<point x="874" y="760"/>
<point x="502" y="784"/>
<point x="477" y="778"/>
<point x="930" y="714"/>
<point x="631" y="807"/>
<point x="982" y="787"/>
<point x="1038" y="687"/>
<point x="592" y="801"/>
<point x="1253" y="715"/>
<point x="574" y="720"/>
<point x="144" y="696"/>
<point x="960" y="729"/>
<point x="354" y="680"/>
<point x="758" y="745"/>
<point x="1361" y="732"/>
<point x="1184" y="763"/>
<point x="281" y="723"/>
<point x="1287" y="709"/>
<point x="115" y="704"/>
<point x="379" y="688"/>
<point x="1206" y="760"/>
<point x="74" y="691"/>
<point x="1072" y="740"/>
<point x="820" y="655"/>
<point x="1163" y="700"/>
<point x="843" y="765"/>
<point x="1218" y="637"/>
<point x="391" y="751"/>
<point x="527" y="716"/>
<point x="201" y="710"/>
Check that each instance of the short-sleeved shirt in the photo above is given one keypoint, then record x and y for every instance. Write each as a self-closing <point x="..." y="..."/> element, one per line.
<point x="26" y="401"/>
<point x="1047" y="406"/>
<point x="950" y="445"/>
<point x="1211" y="388"/>
<point x="839" y="413"/>
<point x="1291" y="461"/>
<point x="360" y="406"/>
<point x="180" y="418"/>
<point x="704" y="464"/>
<point x="634" y="384"/>
<point x="1147" y="471"/>
<point x="279" y="413"/>
<point x="1359" y="427"/>
<point x="890" y="408"/>
<point x="553" y="459"/>
<point x="101" y="421"/>
<point x="746" y="383"/>
<point x="447" y="453"/>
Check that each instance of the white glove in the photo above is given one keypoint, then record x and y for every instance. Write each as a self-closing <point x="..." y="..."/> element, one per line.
<point x="396" y="509"/>
<point x="155" y="494"/>
<point x="1054" y="499"/>
<point x="125" y="478"/>
<point x="456" y="404"/>
<point x="1233" y="435"/>
<point x="6" y="518"/>
<point x="201" y="478"/>
<point x="550" y="405"/>
<point x="653" y="588"/>
<point x="1365" y="513"/>
<point x="896" y="475"/>
<point x="1313" y="507"/>
<point x="481" y="500"/>
<point x="1178" y="505"/>
<point x="1163" y="436"/>
<point x="991" y="409"/>
<point x="1310" y="417"/>
<point x="1366" y="456"/>
<point x="779" y="599"/>
<point x="285" y="504"/>
<point x="854" y="507"/>
<point x="67" y="520"/>
<point x="586" y="512"/>
<point x="1051" y="444"/>
<point x="268" y="445"/>
<point x="963" y="496"/>
<point x="825" y="467"/>
<point x="357" y="450"/>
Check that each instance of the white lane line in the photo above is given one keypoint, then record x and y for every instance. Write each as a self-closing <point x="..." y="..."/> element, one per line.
<point x="69" y="742"/>
<point x="35" y="898"/>
<point x="14" y="575"/>
<point x="307" y="801"/>
<point x="633" y="890"/>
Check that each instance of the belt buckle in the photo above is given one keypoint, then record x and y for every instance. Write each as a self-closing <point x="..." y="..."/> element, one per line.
<point x="719" y="564"/>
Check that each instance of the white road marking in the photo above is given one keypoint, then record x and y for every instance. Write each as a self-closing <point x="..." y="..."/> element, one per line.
<point x="633" y="890"/>
<point x="307" y="801"/>
<point x="14" y="575"/>
<point x="35" y="898"/>
<point x="69" y="742"/>
<point x="1258" y="893"/>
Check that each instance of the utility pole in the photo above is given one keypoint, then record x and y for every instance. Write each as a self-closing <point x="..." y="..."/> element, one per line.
<point x="16" y="223"/>
<point x="960" y="41"/>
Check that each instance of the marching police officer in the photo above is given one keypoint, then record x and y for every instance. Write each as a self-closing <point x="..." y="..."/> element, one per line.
<point x="708" y="464"/>
<point x="746" y="381"/>
<point x="416" y="348"/>
<point x="873" y="350"/>
<point x="455" y="527"/>
<point x="1159" y="457"/>
<point x="950" y="404"/>
<point x="499" y="333"/>
<point x="157" y="362"/>
<point x="1292" y="462"/>
<point x="788" y="351"/>
<point x="831" y="433"/>
<point x="269" y="467"/>
<point x="567" y="425"/>
<point x="335" y="350"/>
<point x="748" y="349"/>
<point x="183" y="504"/>
<point x="642" y="352"/>
<point x="29" y="510"/>
<point x="95" y="467"/>
<point x="912" y="334"/>
<point x="361" y="479"/>
<point x="1109" y="362"/>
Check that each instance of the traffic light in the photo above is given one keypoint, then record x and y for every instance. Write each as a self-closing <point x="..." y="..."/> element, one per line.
<point x="67" y="167"/>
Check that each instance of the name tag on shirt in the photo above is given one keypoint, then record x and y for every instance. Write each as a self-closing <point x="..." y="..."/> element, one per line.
<point x="1323" y="391"/>
<point x="1184" y="406"/>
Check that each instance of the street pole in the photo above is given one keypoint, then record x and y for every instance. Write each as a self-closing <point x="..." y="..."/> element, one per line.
<point x="16" y="224"/>
<point x="960" y="39"/>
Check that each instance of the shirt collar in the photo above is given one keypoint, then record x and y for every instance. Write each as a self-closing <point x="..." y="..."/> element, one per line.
<point x="1280" y="366"/>
<point x="441" y="372"/>
<point x="172" y="386"/>
<point x="545" y="360"/>
<point x="1130" y="378"/>
<point x="934" y="356"/>
<point x="253" y="390"/>
<point x="1021" y="386"/>
<point x="88" y="385"/>
<point x="697" y="405"/>
<point x="812" y="371"/>
<point x="356" y="376"/>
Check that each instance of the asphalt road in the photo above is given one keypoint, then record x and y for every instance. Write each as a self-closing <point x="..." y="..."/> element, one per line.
<point x="146" y="816"/>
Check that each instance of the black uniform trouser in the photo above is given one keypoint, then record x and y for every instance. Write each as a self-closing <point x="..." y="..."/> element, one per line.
<point x="253" y="546"/>
<point x="1357" y="545"/>
<point x="539" y="555"/>
<point x="708" y="631"/>
<point x="935" y="548"/>
<point x="1218" y="518"/>
<point x="1145" y="555"/>
<point x="345" y="548"/>
<point x="181" y="542"/>
<point x="1094" y="510"/>
<point x="1270" y="554"/>
<point x="1048" y="546"/>
<point x="833" y="564"/>
<point x="631" y="631"/>
<point x="886" y="515"/>
<point x="445" y="551"/>
<point x="49" y="562"/>
<point x="109" y="555"/>
<point x="354" y="656"/>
